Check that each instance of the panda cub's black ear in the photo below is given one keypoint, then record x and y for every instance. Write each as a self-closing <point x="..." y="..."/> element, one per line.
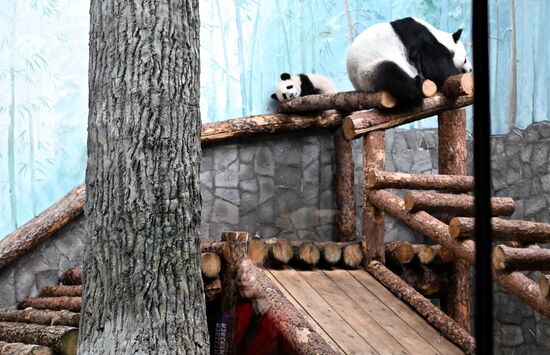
<point x="273" y="96"/>
<point x="285" y="76"/>
<point x="456" y="35"/>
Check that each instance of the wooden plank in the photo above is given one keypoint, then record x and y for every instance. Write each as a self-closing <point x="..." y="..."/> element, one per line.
<point x="412" y="318"/>
<point x="355" y="316"/>
<point x="395" y="326"/>
<point x="328" y="318"/>
<point x="306" y="315"/>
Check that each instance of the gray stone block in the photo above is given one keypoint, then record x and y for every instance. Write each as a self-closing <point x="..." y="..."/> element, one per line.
<point x="246" y="172"/>
<point x="227" y="176"/>
<point x="250" y="185"/>
<point x="304" y="218"/>
<point x="263" y="162"/>
<point x="288" y="152"/>
<point x="310" y="154"/>
<point x="225" y="212"/>
<point x="511" y="335"/>
<point x="249" y="202"/>
<point x="422" y="162"/>
<point x="47" y="278"/>
<point x="230" y="195"/>
<point x="288" y="176"/>
<point x="534" y="205"/>
<point x="267" y="188"/>
<point x="224" y="156"/>
<point x="246" y="153"/>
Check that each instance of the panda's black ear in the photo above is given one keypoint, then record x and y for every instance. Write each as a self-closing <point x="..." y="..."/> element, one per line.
<point x="273" y="96"/>
<point x="456" y="35"/>
<point x="285" y="76"/>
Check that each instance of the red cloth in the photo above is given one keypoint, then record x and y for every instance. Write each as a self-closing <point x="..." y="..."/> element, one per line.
<point x="257" y="334"/>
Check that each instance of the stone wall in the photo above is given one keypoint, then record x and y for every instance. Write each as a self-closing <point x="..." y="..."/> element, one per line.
<point x="43" y="266"/>
<point x="282" y="185"/>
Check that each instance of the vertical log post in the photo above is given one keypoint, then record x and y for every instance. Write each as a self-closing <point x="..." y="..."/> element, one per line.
<point x="453" y="160"/>
<point x="234" y="251"/>
<point x="345" y="198"/>
<point x="372" y="240"/>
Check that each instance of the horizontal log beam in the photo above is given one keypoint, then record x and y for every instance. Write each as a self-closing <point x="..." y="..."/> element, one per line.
<point x="40" y="316"/>
<point x="54" y="303"/>
<point x="271" y="123"/>
<point x="287" y="319"/>
<point x="462" y="205"/>
<point x="439" y="320"/>
<point x="23" y="349"/>
<point x="61" y="339"/>
<point x="521" y="259"/>
<point x="360" y="123"/>
<point x="525" y="232"/>
<point x="525" y="289"/>
<point x="41" y="227"/>
<point x="342" y="101"/>
<point x="395" y="180"/>
<point x="61" y="290"/>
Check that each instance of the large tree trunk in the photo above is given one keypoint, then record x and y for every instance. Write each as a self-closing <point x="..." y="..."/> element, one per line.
<point x="143" y="289"/>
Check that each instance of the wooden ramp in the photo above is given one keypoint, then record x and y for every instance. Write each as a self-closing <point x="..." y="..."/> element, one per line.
<point x="357" y="315"/>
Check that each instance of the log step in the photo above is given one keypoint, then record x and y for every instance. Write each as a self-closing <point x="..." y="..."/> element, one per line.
<point x="524" y="232"/>
<point x="396" y="180"/>
<point x="61" y="339"/>
<point x="72" y="276"/>
<point x="53" y="303"/>
<point x="61" y="290"/>
<point x="461" y="205"/>
<point x="23" y="349"/>
<point x="40" y="316"/>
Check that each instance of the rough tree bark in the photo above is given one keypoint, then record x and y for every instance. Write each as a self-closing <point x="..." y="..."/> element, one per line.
<point x="143" y="290"/>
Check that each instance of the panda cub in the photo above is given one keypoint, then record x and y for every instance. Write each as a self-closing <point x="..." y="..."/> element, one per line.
<point x="292" y="86"/>
<point x="398" y="56"/>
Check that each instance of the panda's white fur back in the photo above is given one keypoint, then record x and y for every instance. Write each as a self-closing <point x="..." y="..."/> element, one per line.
<point x="322" y="83"/>
<point x="376" y="44"/>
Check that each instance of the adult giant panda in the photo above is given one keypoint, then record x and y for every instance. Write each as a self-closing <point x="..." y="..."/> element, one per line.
<point x="398" y="56"/>
<point x="292" y="86"/>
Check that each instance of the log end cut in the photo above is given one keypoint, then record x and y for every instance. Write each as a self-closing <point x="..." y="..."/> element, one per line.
<point x="429" y="88"/>
<point x="67" y="344"/>
<point x="332" y="253"/>
<point x="257" y="251"/>
<point x="544" y="285"/>
<point x="309" y="253"/>
<point x="352" y="255"/>
<point x="499" y="258"/>
<point x="282" y="251"/>
<point x="454" y="227"/>
<point x="210" y="265"/>
<point x="387" y="100"/>
<point x="348" y="128"/>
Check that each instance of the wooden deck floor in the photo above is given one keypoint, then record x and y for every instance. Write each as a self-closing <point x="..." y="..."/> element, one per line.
<point x="357" y="315"/>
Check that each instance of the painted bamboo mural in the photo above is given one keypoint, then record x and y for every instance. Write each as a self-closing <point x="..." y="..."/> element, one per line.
<point x="245" y="45"/>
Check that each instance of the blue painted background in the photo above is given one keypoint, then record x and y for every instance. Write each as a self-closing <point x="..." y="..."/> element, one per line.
<point x="245" y="45"/>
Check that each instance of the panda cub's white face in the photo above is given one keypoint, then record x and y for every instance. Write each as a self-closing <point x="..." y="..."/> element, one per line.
<point x="288" y="88"/>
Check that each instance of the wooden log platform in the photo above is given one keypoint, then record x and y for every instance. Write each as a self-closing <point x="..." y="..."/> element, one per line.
<point x="396" y="180"/>
<point x="521" y="259"/>
<point x="461" y="205"/>
<point x="348" y="101"/>
<point x="355" y="314"/>
<point x="23" y="349"/>
<point x="61" y="339"/>
<point x="525" y="232"/>
<point x="360" y="123"/>
<point x="269" y="123"/>
<point x="40" y="316"/>
<point x="279" y="250"/>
